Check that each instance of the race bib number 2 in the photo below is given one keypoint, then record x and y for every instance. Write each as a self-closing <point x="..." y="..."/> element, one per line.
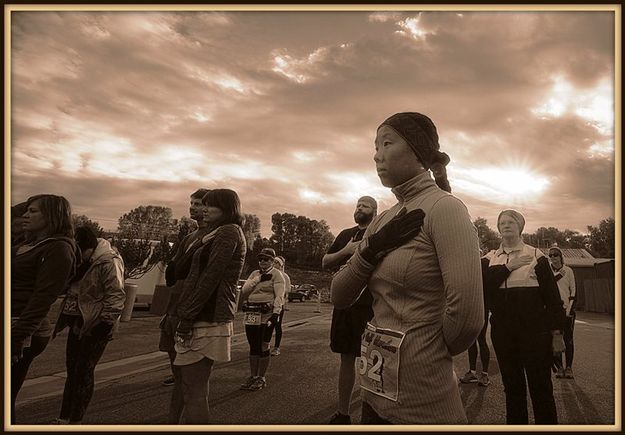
<point x="251" y="318"/>
<point x="378" y="364"/>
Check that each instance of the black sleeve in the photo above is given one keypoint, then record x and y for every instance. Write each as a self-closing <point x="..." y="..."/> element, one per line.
<point x="484" y="262"/>
<point x="340" y="242"/>
<point x="550" y="294"/>
<point x="170" y="274"/>
<point x="495" y="276"/>
<point x="53" y="275"/>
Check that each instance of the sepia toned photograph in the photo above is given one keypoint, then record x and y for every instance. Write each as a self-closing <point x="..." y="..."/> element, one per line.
<point x="312" y="217"/>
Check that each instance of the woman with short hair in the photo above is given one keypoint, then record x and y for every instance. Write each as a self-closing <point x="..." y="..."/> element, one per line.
<point x="42" y="265"/>
<point x="207" y="304"/>
<point x="526" y="322"/>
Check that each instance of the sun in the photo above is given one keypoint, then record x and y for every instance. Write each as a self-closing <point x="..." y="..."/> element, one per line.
<point x="510" y="184"/>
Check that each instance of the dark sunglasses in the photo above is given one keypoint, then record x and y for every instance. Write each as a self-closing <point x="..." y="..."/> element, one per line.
<point x="554" y="255"/>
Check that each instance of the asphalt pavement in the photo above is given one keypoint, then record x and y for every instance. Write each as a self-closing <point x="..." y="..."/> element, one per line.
<point x="301" y="381"/>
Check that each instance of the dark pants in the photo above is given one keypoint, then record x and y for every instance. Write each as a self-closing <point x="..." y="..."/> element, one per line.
<point x="257" y="335"/>
<point x="521" y="354"/>
<point x="191" y="386"/>
<point x="369" y="416"/>
<point x="19" y="370"/>
<point x="484" y="350"/>
<point x="82" y="355"/>
<point x="279" y="329"/>
<point x="567" y="335"/>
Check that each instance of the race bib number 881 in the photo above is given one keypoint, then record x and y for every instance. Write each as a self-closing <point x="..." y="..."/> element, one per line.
<point x="378" y="364"/>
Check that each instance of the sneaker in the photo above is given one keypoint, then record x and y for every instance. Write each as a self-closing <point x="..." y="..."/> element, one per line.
<point x="59" y="421"/>
<point x="258" y="384"/>
<point x="568" y="373"/>
<point x="339" y="418"/>
<point x="560" y="373"/>
<point x="468" y="378"/>
<point x="275" y="351"/>
<point x="169" y="382"/>
<point x="248" y="382"/>
<point x="483" y="380"/>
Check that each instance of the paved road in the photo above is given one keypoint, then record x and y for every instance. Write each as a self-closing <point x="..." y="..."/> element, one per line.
<point x="302" y="381"/>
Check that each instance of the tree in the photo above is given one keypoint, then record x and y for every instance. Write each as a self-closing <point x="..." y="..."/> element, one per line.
<point x="489" y="239"/>
<point x="150" y="222"/>
<point x="138" y="231"/>
<point x="544" y="237"/>
<point x="251" y="259"/>
<point x="251" y="230"/>
<point x="302" y="241"/>
<point x="83" y="221"/>
<point x="601" y="238"/>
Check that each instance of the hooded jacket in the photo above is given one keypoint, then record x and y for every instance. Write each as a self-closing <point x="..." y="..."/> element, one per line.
<point x="100" y="292"/>
<point x="39" y="274"/>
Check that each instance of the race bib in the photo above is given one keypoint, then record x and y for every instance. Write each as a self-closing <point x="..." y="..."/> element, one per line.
<point x="378" y="364"/>
<point x="71" y="307"/>
<point x="251" y="318"/>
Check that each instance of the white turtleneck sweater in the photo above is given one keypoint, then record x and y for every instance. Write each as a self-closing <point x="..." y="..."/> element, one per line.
<point x="431" y="289"/>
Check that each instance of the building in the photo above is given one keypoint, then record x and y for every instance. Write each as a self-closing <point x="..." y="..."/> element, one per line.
<point x="594" y="279"/>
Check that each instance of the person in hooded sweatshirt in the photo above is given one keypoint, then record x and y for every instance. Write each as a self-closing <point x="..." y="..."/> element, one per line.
<point x="42" y="264"/>
<point x="91" y="309"/>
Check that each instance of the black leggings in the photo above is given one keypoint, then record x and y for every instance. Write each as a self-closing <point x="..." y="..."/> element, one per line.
<point x="19" y="370"/>
<point x="484" y="350"/>
<point x="279" y="328"/>
<point x="256" y="336"/>
<point x="82" y="355"/>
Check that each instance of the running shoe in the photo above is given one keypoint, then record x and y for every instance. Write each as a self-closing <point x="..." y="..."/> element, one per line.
<point x="169" y="382"/>
<point x="339" y="418"/>
<point x="59" y="421"/>
<point x="248" y="383"/>
<point x="483" y="380"/>
<point x="468" y="378"/>
<point x="560" y="373"/>
<point x="568" y="373"/>
<point x="258" y="384"/>
<point x="275" y="351"/>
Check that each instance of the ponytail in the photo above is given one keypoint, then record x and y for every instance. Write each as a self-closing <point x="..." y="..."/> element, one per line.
<point x="439" y="171"/>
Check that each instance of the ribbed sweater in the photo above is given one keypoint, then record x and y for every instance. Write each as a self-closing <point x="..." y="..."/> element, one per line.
<point x="431" y="289"/>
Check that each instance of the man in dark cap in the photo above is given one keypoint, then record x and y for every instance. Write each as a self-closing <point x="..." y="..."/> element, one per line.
<point x="349" y="324"/>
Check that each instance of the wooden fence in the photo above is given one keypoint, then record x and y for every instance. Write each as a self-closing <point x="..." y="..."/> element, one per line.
<point x="599" y="295"/>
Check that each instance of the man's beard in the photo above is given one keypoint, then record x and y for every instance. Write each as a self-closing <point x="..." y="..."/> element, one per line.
<point x="362" y="218"/>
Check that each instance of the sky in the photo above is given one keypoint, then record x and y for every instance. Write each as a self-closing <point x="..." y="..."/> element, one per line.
<point x="119" y="109"/>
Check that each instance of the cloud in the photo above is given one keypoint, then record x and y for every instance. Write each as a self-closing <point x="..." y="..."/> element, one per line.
<point x="284" y="106"/>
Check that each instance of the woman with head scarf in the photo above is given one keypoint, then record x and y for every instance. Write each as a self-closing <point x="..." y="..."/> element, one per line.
<point x="421" y="262"/>
<point x="42" y="264"/>
<point x="526" y="321"/>
<point x="206" y="305"/>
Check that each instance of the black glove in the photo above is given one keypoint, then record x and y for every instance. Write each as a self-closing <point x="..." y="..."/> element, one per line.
<point x="400" y="229"/>
<point x="17" y="351"/>
<point x="265" y="277"/>
<point x="273" y="319"/>
<point x="184" y="331"/>
<point x="102" y="329"/>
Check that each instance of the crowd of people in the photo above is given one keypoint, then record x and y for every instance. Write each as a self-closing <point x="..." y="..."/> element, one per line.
<point x="411" y="289"/>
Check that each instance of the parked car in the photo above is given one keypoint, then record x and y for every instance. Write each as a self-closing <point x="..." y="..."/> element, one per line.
<point x="309" y="290"/>
<point x="297" y="295"/>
